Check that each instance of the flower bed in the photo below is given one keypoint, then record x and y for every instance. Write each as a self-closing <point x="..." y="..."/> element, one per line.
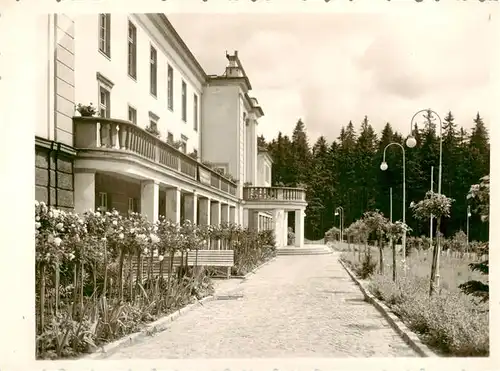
<point x="96" y="280"/>
<point x="449" y="321"/>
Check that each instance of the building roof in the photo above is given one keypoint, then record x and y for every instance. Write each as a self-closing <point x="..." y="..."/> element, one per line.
<point x="193" y="63"/>
<point x="182" y="45"/>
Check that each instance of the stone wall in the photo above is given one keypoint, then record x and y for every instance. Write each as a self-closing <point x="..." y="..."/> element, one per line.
<point x="54" y="174"/>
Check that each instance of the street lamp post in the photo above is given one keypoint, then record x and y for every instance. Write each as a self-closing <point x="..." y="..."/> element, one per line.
<point x="390" y="211"/>
<point x="384" y="167"/>
<point x="432" y="217"/>
<point x="468" y="216"/>
<point x="341" y="221"/>
<point x="412" y="142"/>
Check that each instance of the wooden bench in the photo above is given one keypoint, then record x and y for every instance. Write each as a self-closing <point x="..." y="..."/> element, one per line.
<point x="206" y="258"/>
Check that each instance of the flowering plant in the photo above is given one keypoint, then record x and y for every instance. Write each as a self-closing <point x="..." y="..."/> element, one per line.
<point x="86" y="111"/>
<point x="434" y="204"/>
<point x="57" y="234"/>
<point x="397" y="229"/>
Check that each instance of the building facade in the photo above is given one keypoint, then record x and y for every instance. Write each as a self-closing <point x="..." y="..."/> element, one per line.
<point x="167" y="139"/>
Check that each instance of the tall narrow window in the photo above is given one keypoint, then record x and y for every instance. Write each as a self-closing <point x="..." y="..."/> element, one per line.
<point x="132" y="205"/>
<point x="104" y="102"/>
<point x="195" y="112"/>
<point x="184" y="102"/>
<point x="103" y="201"/>
<point x="184" y="147"/>
<point x="132" y="50"/>
<point x="153" y="68"/>
<point x="132" y="115"/>
<point x="105" y="33"/>
<point x="170" y="138"/>
<point x="170" y="87"/>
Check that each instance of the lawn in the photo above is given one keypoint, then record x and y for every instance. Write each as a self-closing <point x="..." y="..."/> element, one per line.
<point x="453" y="270"/>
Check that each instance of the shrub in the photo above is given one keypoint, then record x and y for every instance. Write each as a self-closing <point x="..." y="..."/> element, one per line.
<point x="367" y="267"/>
<point x="449" y="323"/>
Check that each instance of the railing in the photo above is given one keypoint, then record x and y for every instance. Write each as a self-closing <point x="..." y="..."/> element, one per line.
<point x="96" y="132"/>
<point x="273" y="194"/>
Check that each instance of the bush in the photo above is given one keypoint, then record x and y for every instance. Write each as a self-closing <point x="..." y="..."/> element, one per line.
<point x="364" y="269"/>
<point x="449" y="323"/>
<point x="457" y="243"/>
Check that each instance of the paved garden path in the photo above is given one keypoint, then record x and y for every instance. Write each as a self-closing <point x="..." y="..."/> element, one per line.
<point x="296" y="306"/>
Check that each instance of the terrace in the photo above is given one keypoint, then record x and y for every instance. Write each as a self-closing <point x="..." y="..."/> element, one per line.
<point x="98" y="137"/>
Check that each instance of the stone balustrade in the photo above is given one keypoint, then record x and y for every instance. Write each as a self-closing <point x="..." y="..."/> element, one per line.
<point x="124" y="136"/>
<point x="274" y="194"/>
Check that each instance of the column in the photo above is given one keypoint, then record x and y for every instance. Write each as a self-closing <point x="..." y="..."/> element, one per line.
<point x="173" y="204"/>
<point x="224" y="213"/>
<point x="285" y="225"/>
<point x="299" y="228"/>
<point x="232" y="214"/>
<point x="241" y="216"/>
<point x="150" y="199"/>
<point x="84" y="188"/>
<point x="190" y="207"/>
<point x="204" y="211"/>
<point x="215" y="219"/>
<point x="278" y="226"/>
<point x="253" y="220"/>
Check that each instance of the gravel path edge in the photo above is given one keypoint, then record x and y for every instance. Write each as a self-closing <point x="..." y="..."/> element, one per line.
<point x="401" y="329"/>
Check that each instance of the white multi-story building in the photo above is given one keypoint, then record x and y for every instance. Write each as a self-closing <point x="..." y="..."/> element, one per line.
<point x="168" y="139"/>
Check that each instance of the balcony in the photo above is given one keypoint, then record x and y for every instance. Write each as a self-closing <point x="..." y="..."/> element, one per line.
<point x="274" y="196"/>
<point x="122" y="136"/>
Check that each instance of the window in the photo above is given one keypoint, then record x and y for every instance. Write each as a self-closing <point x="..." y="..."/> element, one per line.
<point x="132" y="115"/>
<point x="105" y="33"/>
<point x="153" y="125"/>
<point x="103" y="201"/>
<point x="184" y="102"/>
<point x="104" y="102"/>
<point x="195" y="112"/>
<point x="184" y="147"/>
<point x="170" y="88"/>
<point x="170" y="138"/>
<point x="132" y="50"/>
<point x="132" y="205"/>
<point x="153" y="71"/>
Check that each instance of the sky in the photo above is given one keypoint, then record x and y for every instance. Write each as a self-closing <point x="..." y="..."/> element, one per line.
<point x="328" y="69"/>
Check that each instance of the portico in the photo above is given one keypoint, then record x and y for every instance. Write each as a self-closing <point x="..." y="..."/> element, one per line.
<point x="279" y="201"/>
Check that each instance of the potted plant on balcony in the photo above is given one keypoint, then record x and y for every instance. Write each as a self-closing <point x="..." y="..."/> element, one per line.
<point x="208" y="164"/>
<point x="231" y="178"/>
<point x="152" y="130"/>
<point x="86" y="110"/>
<point x="193" y="155"/>
<point x="177" y="144"/>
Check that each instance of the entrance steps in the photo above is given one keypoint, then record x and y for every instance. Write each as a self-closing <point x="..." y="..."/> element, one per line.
<point x="306" y="250"/>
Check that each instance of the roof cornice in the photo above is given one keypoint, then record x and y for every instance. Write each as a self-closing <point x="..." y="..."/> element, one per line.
<point x="161" y="21"/>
